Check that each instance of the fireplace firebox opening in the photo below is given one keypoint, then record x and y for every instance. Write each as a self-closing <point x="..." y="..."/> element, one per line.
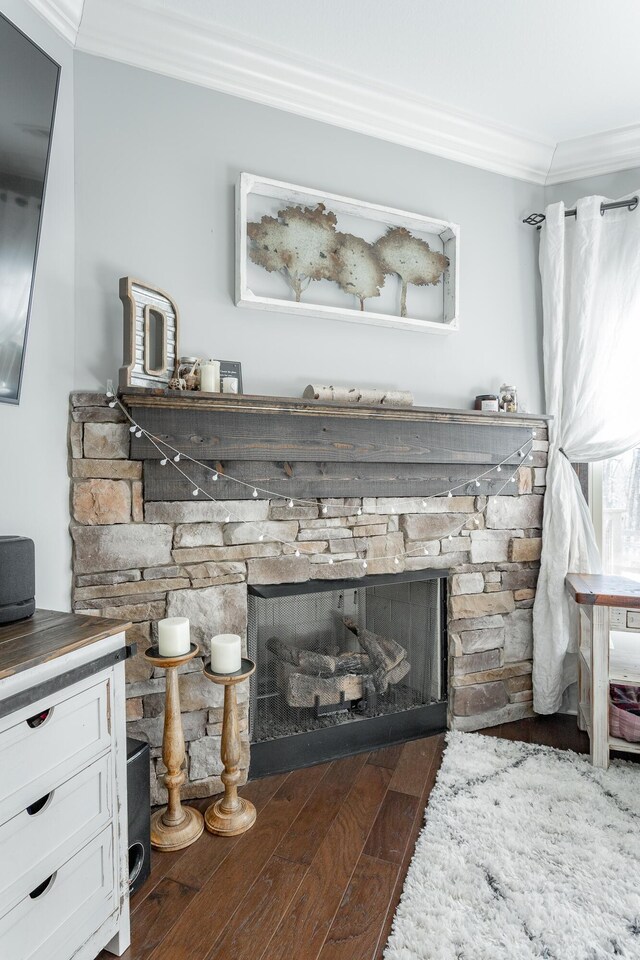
<point x="345" y="666"/>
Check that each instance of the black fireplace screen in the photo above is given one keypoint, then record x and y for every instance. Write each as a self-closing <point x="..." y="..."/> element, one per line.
<point x="334" y="653"/>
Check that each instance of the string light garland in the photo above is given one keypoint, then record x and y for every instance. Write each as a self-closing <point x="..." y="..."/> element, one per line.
<point x="174" y="456"/>
<point x="271" y="494"/>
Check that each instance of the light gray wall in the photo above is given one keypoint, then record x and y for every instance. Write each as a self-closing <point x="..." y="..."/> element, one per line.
<point x="156" y="164"/>
<point x="34" y="489"/>
<point x="611" y="185"/>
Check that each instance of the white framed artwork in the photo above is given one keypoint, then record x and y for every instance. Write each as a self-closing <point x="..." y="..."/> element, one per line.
<point x="305" y="252"/>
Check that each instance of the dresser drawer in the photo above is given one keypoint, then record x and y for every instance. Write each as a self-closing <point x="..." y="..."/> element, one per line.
<point x="58" y="916"/>
<point x="51" y="829"/>
<point x="48" y="743"/>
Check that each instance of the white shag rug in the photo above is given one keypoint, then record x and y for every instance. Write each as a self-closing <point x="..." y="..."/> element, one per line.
<point x="527" y="852"/>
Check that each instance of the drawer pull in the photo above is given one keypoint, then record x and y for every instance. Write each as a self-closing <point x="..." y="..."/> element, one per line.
<point x="42" y="888"/>
<point x="38" y="719"/>
<point x="39" y="805"/>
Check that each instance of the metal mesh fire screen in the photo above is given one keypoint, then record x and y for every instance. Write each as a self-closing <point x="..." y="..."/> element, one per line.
<point x="330" y="654"/>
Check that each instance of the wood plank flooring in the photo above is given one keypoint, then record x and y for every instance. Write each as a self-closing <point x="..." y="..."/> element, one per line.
<point x="320" y="875"/>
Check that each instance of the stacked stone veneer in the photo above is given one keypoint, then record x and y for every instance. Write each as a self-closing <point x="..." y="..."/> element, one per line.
<point x="142" y="561"/>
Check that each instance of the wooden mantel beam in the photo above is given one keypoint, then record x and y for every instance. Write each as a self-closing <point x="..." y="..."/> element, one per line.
<point x="312" y="448"/>
<point x="295" y="406"/>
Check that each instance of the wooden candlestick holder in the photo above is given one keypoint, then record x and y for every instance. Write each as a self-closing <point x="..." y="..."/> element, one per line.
<point x="230" y="814"/>
<point x="175" y="826"/>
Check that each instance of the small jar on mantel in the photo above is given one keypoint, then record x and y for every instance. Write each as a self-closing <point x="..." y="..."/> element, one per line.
<point x="508" y="398"/>
<point x="487" y="402"/>
<point x="189" y="372"/>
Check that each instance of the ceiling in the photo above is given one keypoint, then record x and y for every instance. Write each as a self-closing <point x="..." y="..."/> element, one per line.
<point x="545" y="91"/>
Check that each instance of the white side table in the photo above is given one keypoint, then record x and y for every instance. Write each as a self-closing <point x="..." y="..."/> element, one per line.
<point x="598" y="665"/>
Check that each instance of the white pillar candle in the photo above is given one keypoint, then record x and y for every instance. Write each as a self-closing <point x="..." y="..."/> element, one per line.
<point x="226" y="653"/>
<point x="210" y="376"/>
<point x="173" y="637"/>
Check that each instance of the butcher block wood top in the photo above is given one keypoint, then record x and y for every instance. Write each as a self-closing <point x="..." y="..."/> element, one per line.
<point x="47" y="635"/>
<point x="600" y="590"/>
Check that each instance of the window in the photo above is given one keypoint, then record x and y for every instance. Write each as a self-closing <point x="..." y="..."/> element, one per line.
<point x="615" y="501"/>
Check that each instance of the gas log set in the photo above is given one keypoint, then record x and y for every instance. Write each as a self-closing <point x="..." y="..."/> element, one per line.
<point x="308" y="679"/>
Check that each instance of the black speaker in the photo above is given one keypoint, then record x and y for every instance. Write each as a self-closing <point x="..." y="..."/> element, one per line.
<point x="17" y="579"/>
<point x="139" y="813"/>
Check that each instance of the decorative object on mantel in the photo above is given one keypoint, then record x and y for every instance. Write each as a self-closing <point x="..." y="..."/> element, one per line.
<point x="174" y="826"/>
<point x="210" y="376"/>
<point x="231" y="814"/>
<point x="487" y="401"/>
<point x="230" y="385"/>
<point x="508" y="398"/>
<point x="231" y="370"/>
<point x="186" y="375"/>
<point x="312" y="253"/>
<point x="151" y="323"/>
<point x="171" y="455"/>
<point x="365" y="395"/>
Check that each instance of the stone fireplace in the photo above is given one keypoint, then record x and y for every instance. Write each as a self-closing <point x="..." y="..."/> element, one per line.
<point x="145" y="548"/>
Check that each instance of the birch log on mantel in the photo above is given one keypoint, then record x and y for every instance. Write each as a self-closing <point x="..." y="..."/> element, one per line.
<point x="367" y="395"/>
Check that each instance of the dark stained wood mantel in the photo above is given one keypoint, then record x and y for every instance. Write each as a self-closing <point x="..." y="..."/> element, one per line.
<point x="245" y="402"/>
<point x="313" y="448"/>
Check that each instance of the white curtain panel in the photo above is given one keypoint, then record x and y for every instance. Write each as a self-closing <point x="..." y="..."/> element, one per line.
<point x="590" y="269"/>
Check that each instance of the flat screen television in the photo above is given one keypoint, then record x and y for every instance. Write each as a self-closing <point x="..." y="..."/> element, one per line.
<point x="28" y="90"/>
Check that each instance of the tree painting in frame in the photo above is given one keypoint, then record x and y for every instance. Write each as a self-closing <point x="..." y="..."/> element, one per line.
<point x="306" y="252"/>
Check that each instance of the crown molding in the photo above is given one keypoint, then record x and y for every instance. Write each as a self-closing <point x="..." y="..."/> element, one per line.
<point x="606" y="152"/>
<point x="63" y="15"/>
<point x="149" y="35"/>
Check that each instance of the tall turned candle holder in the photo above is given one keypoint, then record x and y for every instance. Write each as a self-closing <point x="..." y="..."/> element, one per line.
<point x="230" y="814"/>
<point x="175" y="826"/>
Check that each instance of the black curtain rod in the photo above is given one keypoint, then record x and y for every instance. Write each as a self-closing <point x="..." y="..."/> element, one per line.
<point x="537" y="219"/>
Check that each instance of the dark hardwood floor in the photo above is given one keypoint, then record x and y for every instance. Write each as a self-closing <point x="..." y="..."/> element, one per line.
<point x="320" y="874"/>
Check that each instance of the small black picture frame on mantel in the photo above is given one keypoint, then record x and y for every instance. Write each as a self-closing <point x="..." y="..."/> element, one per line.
<point x="231" y="368"/>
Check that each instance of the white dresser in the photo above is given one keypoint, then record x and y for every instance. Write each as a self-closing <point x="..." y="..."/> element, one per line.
<point x="64" y="874"/>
